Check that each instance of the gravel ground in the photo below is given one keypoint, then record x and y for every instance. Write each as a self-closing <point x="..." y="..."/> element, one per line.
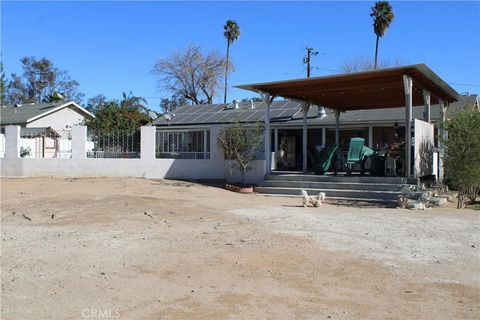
<point x="399" y="239"/>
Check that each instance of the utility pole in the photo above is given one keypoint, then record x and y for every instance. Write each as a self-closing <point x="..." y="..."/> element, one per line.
<point x="307" y="59"/>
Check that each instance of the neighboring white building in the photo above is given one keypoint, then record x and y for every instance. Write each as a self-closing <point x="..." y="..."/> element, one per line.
<point x="45" y="127"/>
<point x="60" y="116"/>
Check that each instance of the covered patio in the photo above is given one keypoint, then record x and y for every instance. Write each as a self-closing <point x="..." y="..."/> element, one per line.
<point x="411" y="85"/>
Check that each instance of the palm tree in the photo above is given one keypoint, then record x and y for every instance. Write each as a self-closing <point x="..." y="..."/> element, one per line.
<point x="382" y="15"/>
<point x="134" y="108"/>
<point x="232" y="32"/>
<point x="133" y="103"/>
<point x="54" y="97"/>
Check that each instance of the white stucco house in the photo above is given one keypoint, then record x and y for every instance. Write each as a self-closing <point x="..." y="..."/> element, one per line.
<point x="60" y="116"/>
<point x="45" y="127"/>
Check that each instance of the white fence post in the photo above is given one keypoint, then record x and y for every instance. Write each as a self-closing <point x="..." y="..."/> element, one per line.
<point x="79" y="140"/>
<point x="12" y="142"/>
<point x="147" y="142"/>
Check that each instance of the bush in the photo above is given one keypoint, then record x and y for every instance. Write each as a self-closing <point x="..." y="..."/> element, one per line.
<point x="25" y="152"/>
<point x="462" y="154"/>
<point x="240" y="142"/>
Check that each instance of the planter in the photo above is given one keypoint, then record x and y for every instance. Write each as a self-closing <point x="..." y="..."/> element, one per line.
<point x="240" y="189"/>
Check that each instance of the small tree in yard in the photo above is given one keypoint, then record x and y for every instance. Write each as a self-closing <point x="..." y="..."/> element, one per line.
<point x="462" y="154"/>
<point x="240" y="144"/>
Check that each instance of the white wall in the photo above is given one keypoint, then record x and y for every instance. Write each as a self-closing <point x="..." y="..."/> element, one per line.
<point x="2" y="145"/>
<point x="58" y="120"/>
<point x="423" y="147"/>
<point x="147" y="166"/>
<point x="254" y="175"/>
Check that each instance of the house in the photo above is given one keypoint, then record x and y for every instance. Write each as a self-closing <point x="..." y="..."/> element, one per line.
<point x="39" y="143"/>
<point x="45" y="127"/>
<point x="185" y="133"/>
<point x="59" y="116"/>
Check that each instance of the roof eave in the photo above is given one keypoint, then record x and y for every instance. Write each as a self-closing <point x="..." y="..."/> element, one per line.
<point x="422" y="68"/>
<point x="59" y="108"/>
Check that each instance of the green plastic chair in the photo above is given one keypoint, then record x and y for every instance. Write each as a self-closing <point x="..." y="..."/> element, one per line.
<point x="326" y="158"/>
<point x="322" y="160"/>
<point x="357" y="152"/>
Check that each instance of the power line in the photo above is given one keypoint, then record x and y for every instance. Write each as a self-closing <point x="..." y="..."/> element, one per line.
<point x="325" y="69"/>
<point x="464" y="84"/>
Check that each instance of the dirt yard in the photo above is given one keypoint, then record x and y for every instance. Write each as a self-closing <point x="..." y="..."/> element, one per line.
<point x="152" y="249"/>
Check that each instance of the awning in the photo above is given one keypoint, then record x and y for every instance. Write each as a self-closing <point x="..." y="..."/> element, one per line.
<point x="382" y="88"/>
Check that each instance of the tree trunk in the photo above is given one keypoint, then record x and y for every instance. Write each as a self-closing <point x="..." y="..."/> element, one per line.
<point x="461" y="199"/>
<point x="376" y="54"/>
<point x="226" y="72"/>
<point x="243" y="178"/>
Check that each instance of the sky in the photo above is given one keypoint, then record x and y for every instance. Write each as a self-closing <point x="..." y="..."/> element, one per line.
<point x="111" y="47"/>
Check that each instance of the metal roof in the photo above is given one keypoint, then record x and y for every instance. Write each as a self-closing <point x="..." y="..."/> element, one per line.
<point x="24" y="113"/>
<point x="226" y="113"/>
<point x="381" y="88"/>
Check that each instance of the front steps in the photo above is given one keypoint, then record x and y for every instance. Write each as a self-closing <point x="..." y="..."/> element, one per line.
<point x="354" y="187"/>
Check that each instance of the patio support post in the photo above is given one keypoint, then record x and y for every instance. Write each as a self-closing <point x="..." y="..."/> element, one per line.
<point x="426" y="101"/>
<point x="408" y="84"/>
<point x="276" y="139"/>
<point x="267" y="98"/>
<point x="337" y="140"/>
<point x="370" y="137"/>
<point x="305" y="107"/>
<point x="276" y="147"/>
<point x="442" y="133"/>
<point x="337" y="127"/>
<point x="205" y="133"/>
<point x="324" y="136"/>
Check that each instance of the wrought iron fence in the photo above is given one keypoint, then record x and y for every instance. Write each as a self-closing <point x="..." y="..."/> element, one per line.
<point x="65" y="148"/>
<point x="183" y="144"/>
<point x="113" y="144"/>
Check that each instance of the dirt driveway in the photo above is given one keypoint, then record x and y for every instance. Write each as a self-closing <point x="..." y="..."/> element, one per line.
<point x="150" y="249"/>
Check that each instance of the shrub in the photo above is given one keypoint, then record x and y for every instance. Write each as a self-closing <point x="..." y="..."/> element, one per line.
<point x="240" y="143"/>
<point x="462" y="154"/>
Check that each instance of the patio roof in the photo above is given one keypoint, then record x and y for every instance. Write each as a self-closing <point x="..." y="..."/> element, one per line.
<point x="362" y="90"/>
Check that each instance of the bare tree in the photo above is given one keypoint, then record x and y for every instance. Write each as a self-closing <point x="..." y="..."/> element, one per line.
<point x="172" y="103"/>
<point x="41" y="79"/>
<point x="191" y="74"/>
<point x="95" y="103"/>
<point x="365" y="63"/>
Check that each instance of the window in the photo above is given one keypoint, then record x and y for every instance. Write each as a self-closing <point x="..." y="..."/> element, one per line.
<point x="183" y="144"/>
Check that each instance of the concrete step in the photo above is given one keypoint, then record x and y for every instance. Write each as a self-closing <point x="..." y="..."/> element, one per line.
<point x="333" y="193"/>
<point x="340" y="178"/>
<point x="389" y="203"/>
<point x="331" y="185"/>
